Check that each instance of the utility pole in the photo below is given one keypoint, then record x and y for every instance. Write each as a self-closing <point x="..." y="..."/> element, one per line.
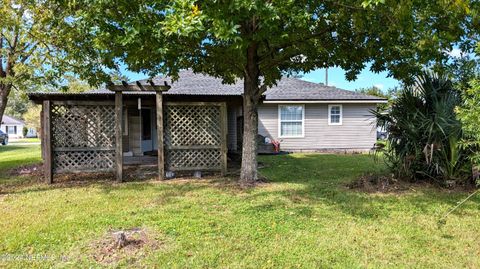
<point x="326" y="76"/>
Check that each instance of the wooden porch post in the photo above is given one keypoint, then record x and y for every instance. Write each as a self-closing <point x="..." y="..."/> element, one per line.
<point x="161" y="160"/>
<point x="138" y="87"/>
<point x="118" y="136"/>
<point x="47" y="139"/>
<point x="42" y="134"/>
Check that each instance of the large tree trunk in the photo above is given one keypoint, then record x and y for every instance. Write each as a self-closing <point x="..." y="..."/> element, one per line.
<point x="4" y="92"/>
<point x="251" y="97"/>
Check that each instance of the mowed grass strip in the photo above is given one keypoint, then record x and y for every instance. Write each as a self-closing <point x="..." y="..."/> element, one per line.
<point x="303" y="217"/>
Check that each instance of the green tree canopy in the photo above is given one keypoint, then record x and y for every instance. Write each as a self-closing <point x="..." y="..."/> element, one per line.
<point x="375" y="91"/>
<point x="28" y="58"/>
<point x="32" y="117"/>
<point x="259" y="41"/>
<point x="469" y="111"/>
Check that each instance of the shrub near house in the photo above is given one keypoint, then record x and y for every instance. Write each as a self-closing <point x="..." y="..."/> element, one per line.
<point x="425" y="134"/>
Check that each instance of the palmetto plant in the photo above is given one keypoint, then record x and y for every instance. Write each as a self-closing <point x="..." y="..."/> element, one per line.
<point x="424" y="133"/>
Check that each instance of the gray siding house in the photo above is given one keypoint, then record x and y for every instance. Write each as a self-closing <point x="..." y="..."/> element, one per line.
<point x="202" y="120"/>
<point x="319" y="126"/>
<point x="306" y="116"/>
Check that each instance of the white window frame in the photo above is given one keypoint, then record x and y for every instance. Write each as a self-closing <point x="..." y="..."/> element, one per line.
<point x="280" y="121"/>
<point x="12" y="127"/>
<point x="330" y="114"/>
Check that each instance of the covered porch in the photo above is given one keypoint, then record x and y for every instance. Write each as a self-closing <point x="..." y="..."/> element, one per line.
<point x="102" y="132"/>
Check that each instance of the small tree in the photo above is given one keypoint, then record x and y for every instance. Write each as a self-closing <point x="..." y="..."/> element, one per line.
<point x="259" y="41"/>
<point x="469" y="114"/>
<point x="375" y="91"/>
<point x="32" y="117"/>
<point x="73" y="84"/>
<point x="17" y="104"/>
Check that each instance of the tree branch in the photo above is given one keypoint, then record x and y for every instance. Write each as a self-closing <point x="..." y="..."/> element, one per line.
<point x="274" y="49"/>
<point x="30" y="52"/>
<point x="337" y="3"/>
<point x="39" y="40"/>
<point x="8" y="42"/>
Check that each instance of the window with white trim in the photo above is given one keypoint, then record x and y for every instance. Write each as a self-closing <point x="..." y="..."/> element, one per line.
<point x="291" y="120"/>
<point x="335" y="115"/>
<point x="11" y="130"/>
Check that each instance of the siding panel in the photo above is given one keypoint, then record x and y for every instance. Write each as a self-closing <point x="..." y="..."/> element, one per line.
<point x="357" y="132"/>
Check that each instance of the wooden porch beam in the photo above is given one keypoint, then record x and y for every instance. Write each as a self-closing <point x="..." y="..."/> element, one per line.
<point x="47" y="126"/>
<point x="118" y="136"/>
<point x="139" y="87"/>
<point x="160" y="146"/>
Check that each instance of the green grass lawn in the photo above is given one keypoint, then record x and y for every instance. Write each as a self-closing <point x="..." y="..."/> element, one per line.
<point x="25" y="140"/>
<point x="305" y="217"/>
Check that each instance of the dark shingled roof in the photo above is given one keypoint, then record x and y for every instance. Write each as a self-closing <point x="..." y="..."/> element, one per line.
<point x="297" y="89"/>
<point x="287" y="88"/>
<point x="190" y="83"/>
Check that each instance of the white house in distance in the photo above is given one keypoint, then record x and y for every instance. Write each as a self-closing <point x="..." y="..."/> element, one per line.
<point x="14" y="127"/>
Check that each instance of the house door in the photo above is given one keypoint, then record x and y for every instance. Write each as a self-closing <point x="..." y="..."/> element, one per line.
<point x="147" y="129"/>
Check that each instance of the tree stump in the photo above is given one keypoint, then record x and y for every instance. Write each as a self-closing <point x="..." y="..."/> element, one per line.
<point x="120" y="239"/>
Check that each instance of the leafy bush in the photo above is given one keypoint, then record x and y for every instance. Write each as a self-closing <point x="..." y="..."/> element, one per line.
<point x="25" y="131"/>
<point x="424" y="132"/>
<point x="469" y="115"/>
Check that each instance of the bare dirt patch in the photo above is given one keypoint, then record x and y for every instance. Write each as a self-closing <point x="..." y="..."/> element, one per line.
<point x="132" y="244"/>
<point x="379" y="183"/>
<point x="27" y="170"/>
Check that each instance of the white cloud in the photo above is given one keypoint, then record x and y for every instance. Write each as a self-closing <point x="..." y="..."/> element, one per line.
<point x="456" y="53"/>
<point x="380" y="86"/>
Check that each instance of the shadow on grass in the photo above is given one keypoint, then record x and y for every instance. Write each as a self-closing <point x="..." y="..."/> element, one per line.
<point x="323" y="179"/>
<point x="6" y="166"/>
<point x="307" y="182"/>
<point x="106" y="183"/>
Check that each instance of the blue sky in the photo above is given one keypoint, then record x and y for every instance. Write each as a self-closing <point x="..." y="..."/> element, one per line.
<point x="336" y="77"/>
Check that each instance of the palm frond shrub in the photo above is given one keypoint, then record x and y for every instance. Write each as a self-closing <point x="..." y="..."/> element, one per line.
<point x="424" y="132"/>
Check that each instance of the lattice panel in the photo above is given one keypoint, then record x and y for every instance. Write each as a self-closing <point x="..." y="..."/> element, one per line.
<point x="194" y="136"/>
<point x="190" y="125"/>
<point x="194" y="159"/>
<point x="83" y="137"/>
<point x="89" y="160"/>
<point x="83" y="126"/>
